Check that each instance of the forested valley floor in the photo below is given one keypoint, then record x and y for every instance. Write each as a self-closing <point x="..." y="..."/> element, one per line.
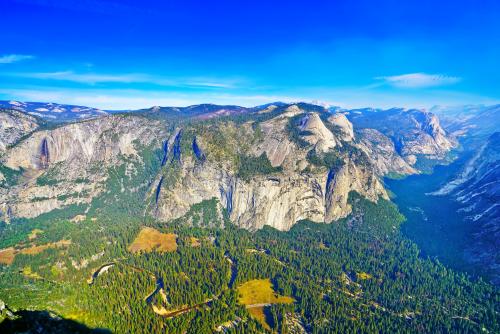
<point x="134" y="275"/>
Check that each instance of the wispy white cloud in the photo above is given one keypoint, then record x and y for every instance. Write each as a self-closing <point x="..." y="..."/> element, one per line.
<point x="419" y="80"/>
<point x="120" y="99"/>
<point x="128" y="78"/>
<point x="14" y="58"/>
<point x="137" y="99"/>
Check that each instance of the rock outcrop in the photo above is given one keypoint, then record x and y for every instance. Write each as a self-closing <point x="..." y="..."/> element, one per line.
<point x="69" y="164"/>
<point x="316" y="133"/>
<point x="414" y="132"/>
<point x="382" y="153"/>
<point x="13" y="126"/>
<point x="345" y="126"/>
<point x="279" y="199"/>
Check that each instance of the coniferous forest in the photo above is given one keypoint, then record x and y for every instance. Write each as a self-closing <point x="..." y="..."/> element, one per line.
<point x="357" y="275"/>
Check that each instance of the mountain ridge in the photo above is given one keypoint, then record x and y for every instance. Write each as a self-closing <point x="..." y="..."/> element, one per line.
<point x="316" y="158"/>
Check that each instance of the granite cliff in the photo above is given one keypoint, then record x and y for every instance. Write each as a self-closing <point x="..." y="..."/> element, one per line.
<point x="271" y="165"/>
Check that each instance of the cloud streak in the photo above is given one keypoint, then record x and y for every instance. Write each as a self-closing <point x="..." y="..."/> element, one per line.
<point x="128" y="78"/>
<point x="14" y="58"/>
<point x="419" y="80"/>
<point x="120" y="99"/>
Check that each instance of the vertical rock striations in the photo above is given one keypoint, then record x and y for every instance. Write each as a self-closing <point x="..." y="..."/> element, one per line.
<point x="44" y="154"/>
<point x="165" y="153"/>
<point x="266" y="166"/>
<point x="198" y="153"/>
<point x="177" y="146"/>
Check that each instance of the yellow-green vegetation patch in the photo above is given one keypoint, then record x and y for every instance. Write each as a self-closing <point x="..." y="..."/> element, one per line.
<point x="258" y="314"/>
<point x="184" y="276"/>
<point x="34" y="234"/>
<point x="195" y="242"/>
<point x="7" y="255"/>
<point x="33" y="250"/>
<point x="322" y="245"/>
<point x="363" y="276"/>
<point x="260" y="291"/>
<point x="28" y="272"/>
<point x="150" y="239"/>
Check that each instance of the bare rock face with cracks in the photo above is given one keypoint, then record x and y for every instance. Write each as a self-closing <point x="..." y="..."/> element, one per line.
<point x="272" y="165"/>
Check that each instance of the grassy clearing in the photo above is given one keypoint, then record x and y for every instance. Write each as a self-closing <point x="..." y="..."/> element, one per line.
<point x="260" y="291"/>
<point x="150" y="239"/>
<point x="258" y="314"/>
<point x="33" y="250"/>
<point x="7" y="255"/>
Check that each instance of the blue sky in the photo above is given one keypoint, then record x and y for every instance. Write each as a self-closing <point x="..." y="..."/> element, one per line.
<point x="131" y="54"/>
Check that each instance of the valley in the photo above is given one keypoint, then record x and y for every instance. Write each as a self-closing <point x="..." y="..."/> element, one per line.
<point x="434" y="223"/>
<point x="249" y="167"/>
<point x="276" y="218"/>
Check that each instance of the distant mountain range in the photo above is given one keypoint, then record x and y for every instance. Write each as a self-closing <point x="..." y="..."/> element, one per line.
<point x="53" y="112"/>
<point x="471" y="120"/>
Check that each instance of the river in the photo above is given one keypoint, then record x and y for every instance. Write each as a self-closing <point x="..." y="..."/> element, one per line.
<point x="161" y="285"/>
<point x="99" y="271"/>
<point x="234" y="270"/>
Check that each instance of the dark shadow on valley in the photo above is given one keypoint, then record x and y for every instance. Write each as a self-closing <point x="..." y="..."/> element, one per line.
<point x="43" y="322"/>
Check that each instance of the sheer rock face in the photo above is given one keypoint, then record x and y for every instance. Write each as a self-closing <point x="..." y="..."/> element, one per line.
<point x="317" y="133"/>
<point x="413" y="132"/>
<point x="13" y="126"/>
<point x="428" y="137"/>
<point x="84" y="143"/>
<point x="199" y="161"/>
<point x="383" y="154"/>
<point x="350" y="177"/>
<point x="276" y="144"/>
<point x="434" y="129"/>
<point x="75" y="158"/>
<point x="345" y="126"/>
<point x="280" y="199"/>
